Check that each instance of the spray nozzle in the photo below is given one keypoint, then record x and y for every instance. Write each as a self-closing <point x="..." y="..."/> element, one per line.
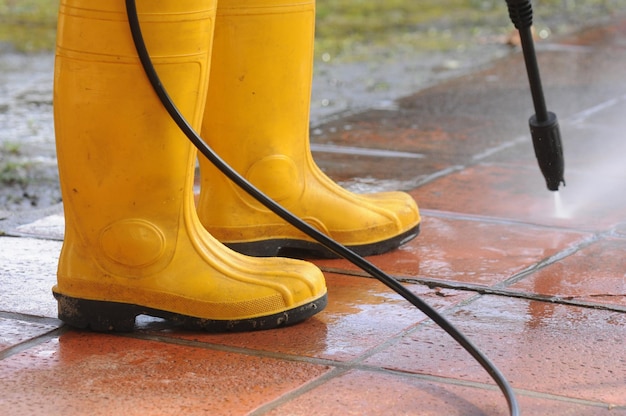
<point x="548" y="150"/>
<point x="544" y="127"/>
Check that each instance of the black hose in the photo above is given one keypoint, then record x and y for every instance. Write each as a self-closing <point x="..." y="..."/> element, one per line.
<point x="323" y="239"/>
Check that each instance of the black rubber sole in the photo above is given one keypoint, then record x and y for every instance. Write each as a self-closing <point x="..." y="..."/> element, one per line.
<point x="301" y="249"/>
<point x="105" y="316"/>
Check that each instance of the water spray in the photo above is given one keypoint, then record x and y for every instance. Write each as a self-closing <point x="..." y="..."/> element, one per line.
<point x="544" y="126"/>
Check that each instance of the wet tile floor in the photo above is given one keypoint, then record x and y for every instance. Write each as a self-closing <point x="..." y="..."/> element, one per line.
<point x="537" y="282"/>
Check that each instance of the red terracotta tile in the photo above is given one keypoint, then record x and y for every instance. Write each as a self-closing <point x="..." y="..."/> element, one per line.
<point x="361" y="314"/>
<point x="374" y="174"/>
<point x="84" y="373"/>
<point x="596" y="273"/>
<point x="470" y="251"/>
<point x="364" y="393"/>
<point x="543" y="347"/>
<point x="518" y="193"/>
<point x="432" y="130"/>
<point x="13" y="332"/>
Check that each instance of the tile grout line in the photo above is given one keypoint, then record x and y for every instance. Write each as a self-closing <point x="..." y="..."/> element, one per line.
<point x="230" y="349"/>
<point x="484" y="386"/>
<point x="299" y="391"/>
<point x="460" y="216"/>
<point x="612" y="231"/>
<point x="475" y="160"/>
<point x="32" y="342"/>
<point x="33" y="319"/>
<point x="566" y="252"/>
<point x="567" y="399"/>
<point x="486" y="290"/>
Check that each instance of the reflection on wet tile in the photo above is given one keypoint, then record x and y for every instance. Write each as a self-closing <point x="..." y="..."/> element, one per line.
<point x="85" y="373"/>
<point x="558" y="349"/>
<point x="594" y="274"/>
<point x="470" y="251"/>
<point x="361" y="314"/>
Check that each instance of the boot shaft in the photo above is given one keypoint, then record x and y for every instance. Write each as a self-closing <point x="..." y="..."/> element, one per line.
<point x="111" y="128"/>
<point x="260" y="82"/>
<point x="126" y="171"/>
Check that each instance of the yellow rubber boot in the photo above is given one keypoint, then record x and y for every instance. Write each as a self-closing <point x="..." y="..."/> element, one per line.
<point x="133" y="242"/>
<point x="257" y="119"/>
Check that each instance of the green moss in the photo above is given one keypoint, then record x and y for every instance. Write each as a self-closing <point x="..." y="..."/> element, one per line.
<point x="10" y="149"/>
<point x="347" y="28"/>
<point x="14" y="173"/>
<point x="29" y="25"/>
<point x="11" y="171"/>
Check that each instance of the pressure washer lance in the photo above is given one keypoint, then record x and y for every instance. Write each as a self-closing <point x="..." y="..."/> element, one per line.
<point x="544" y="126"/>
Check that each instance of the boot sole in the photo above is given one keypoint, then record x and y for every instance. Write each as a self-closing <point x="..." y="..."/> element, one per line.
<point x="302" y="249"/>
<point x="104" y="316"/>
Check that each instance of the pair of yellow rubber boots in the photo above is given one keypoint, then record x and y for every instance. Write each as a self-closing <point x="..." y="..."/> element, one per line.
<point x="135" y="241"/>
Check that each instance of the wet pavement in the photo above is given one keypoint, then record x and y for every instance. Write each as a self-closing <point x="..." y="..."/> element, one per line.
<point x="537" y="282"/>
<point x="27" y="154"/>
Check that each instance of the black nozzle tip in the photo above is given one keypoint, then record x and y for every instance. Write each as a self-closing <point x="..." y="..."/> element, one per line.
<point x="548" y="149"/>
<point x="554" y="184"/>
